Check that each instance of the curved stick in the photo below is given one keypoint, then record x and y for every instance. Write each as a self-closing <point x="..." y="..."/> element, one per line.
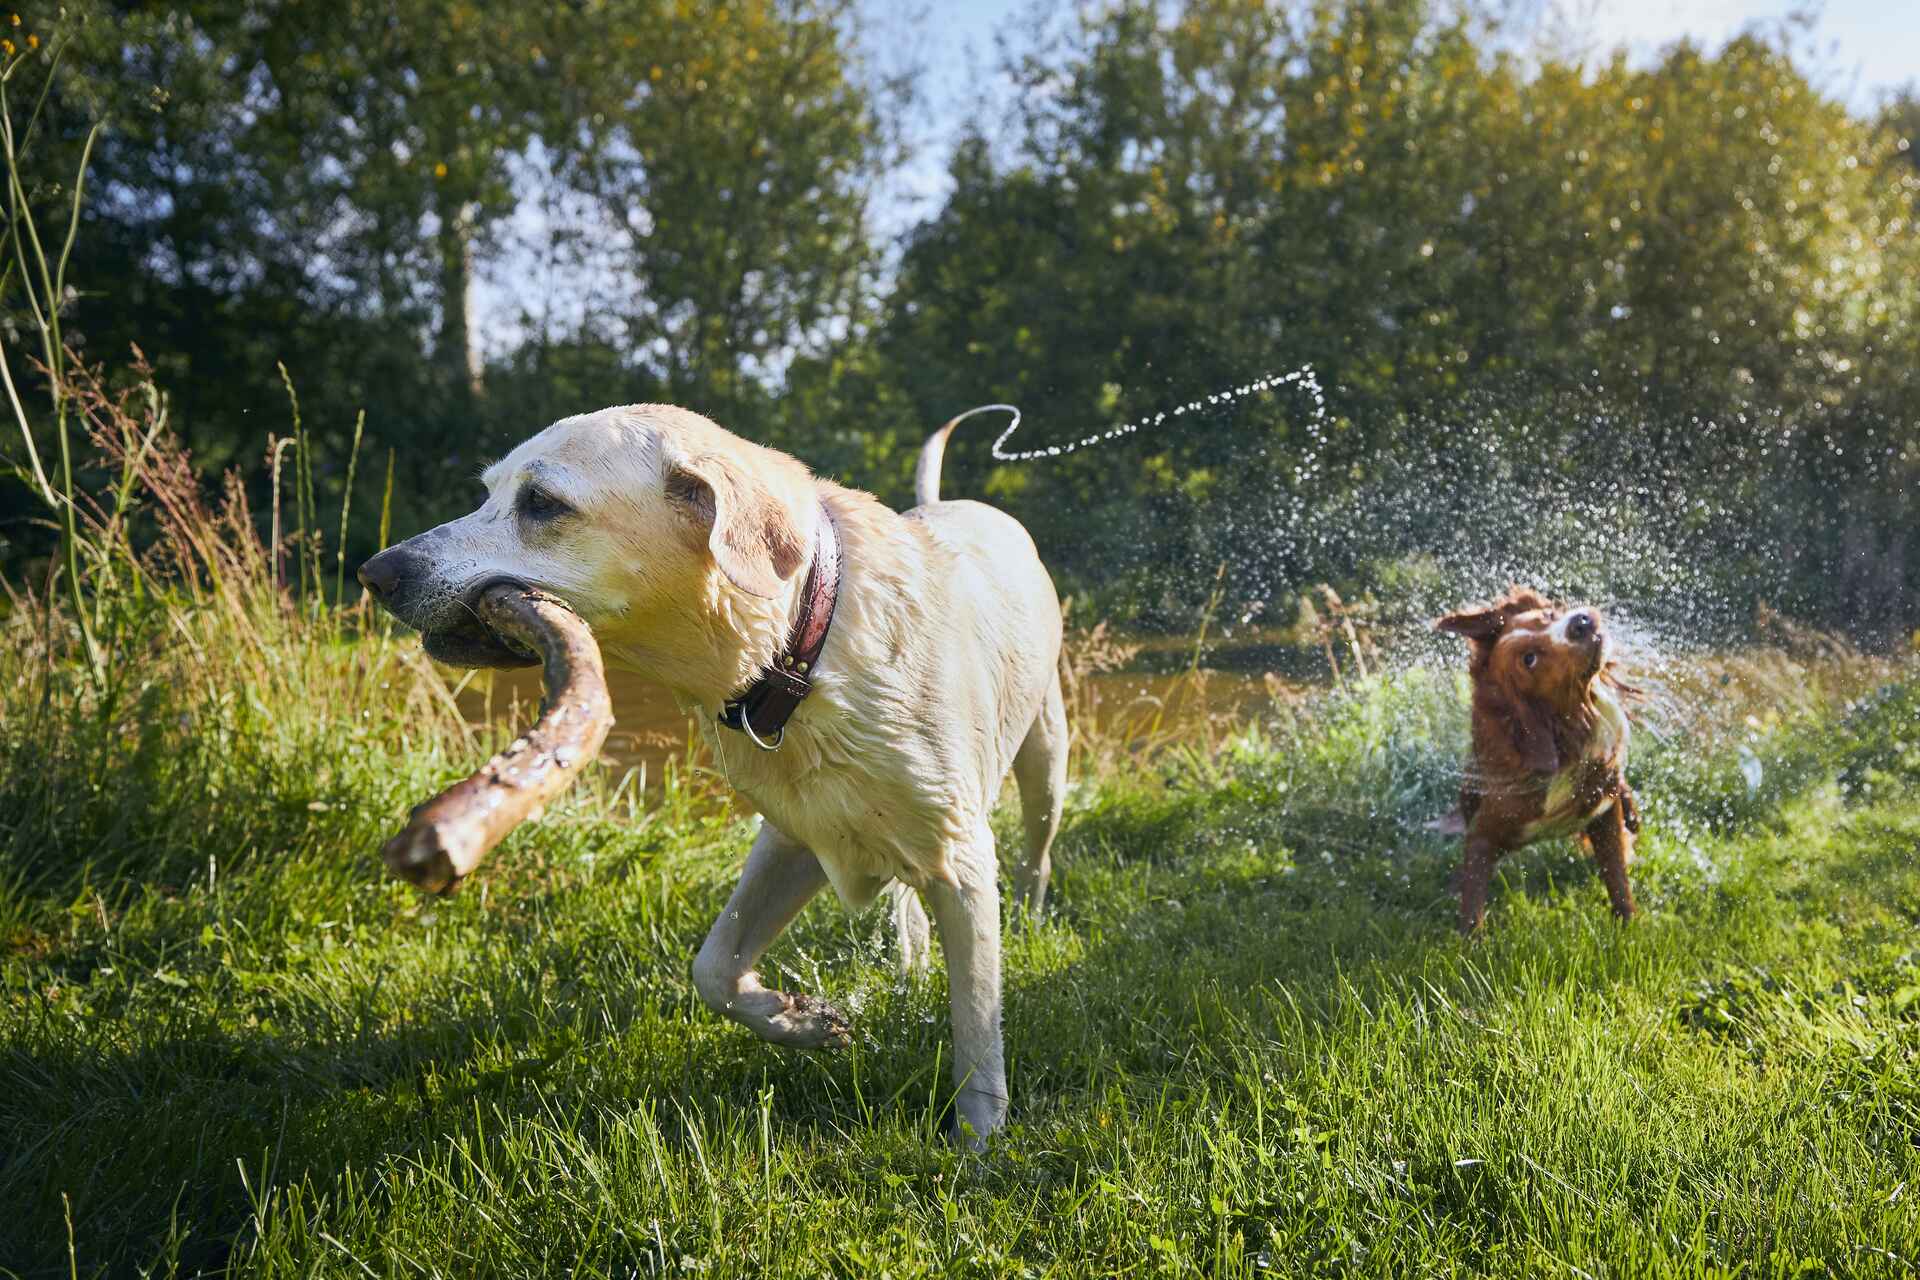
<point x="446" y="837"/>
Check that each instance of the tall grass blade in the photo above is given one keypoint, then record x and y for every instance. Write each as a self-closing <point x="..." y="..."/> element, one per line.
<point x="346" y="507"/>
<point x="386" y="503"/>
<point x="45" y="308"/>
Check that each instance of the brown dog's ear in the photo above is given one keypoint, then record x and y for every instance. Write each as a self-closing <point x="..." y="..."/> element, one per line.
<point x="1475" y="622"/>
<point x="753" y="536"/>
<point x="1530" y="725"/>
<point x="1485" y="622"/>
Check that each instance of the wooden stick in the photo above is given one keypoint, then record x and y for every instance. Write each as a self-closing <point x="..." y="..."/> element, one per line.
<point x="445" y="838"/>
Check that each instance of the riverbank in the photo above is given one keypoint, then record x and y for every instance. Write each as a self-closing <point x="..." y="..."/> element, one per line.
<point x="1246" y="1040"/>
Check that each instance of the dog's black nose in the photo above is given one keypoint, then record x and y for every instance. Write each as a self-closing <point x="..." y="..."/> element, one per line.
<point x="382" y="574"/>
<point x="1581" y="626"/>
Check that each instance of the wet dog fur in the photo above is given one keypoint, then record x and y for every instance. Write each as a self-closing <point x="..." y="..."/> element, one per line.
<point x="685" y="547"/>
<point x="1549" y="748"/>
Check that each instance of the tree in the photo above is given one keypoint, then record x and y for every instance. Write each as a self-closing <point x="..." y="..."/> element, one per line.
<point x="1192" y="197"/>
<point x="397" y="123"/>
<point x="727" y="150"/>
<point x="265" y="190"/>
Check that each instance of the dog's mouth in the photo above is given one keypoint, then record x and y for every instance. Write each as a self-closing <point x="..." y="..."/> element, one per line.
<point x="1602" y="654"/>
<point x="465" y="641"/>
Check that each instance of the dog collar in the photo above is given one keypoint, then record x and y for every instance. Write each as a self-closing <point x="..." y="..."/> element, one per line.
<point x="762" y="710"/>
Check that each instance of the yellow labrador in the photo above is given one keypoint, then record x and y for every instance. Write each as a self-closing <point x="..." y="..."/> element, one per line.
<point x="693" y="554"/>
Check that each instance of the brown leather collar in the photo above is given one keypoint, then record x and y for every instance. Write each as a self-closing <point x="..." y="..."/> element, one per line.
<point x="762" y="710"/>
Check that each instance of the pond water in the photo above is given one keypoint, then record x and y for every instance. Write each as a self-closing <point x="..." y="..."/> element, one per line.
<point x="1153" y="691"/>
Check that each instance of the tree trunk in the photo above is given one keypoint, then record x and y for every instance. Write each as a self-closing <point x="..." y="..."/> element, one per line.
<point x="458" y="352"/>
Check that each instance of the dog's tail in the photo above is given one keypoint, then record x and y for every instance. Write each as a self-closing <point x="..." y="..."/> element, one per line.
<point x="926" y="475"/>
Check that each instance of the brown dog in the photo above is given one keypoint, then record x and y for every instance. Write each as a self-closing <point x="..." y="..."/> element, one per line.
<point x="1549" y="742"/>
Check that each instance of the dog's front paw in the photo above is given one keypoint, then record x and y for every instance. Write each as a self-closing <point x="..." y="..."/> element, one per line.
<point x="977" y="1117"/>
<point x="808" y="1022"/>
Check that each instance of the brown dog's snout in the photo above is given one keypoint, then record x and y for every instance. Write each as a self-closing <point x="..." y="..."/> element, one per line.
<point x="1582" y="626"/>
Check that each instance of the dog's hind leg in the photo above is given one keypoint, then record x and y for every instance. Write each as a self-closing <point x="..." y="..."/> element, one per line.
<point x="1040" y="770"/>
<point x="780" y="877"/>
<point x="967" y="909"/>
<point x="910" y="928"/>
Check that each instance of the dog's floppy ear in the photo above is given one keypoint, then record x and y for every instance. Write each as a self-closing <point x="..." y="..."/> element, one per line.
<point x="1529" y="725"/>
<point x="1475" y="622"/>
<point x="753" y="535"/>
<point x="1483" y="623"/>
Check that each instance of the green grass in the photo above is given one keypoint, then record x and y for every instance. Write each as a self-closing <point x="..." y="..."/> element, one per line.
<point x="1246" y="1041"/>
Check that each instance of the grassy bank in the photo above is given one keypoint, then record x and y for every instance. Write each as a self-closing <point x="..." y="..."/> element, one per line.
<point x="1246" y="1040"/>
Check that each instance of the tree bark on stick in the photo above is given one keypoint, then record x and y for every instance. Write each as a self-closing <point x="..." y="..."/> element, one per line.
<point x="445" y="838"/>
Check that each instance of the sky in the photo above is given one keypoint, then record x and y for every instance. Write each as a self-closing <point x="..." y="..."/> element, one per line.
<point x="1868" y="44"/>
<point x="1865" y="47"/>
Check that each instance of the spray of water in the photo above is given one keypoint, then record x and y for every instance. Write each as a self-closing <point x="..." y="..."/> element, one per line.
<point x="1302" y="377"/>
<point x="1590" y="496"/>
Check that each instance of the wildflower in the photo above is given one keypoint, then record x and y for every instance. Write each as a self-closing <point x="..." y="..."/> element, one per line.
<point x="440" y="169"/>
<point x="14" y="18"/>
<point x="33" y="42"/>
<point x="6" y="47"/>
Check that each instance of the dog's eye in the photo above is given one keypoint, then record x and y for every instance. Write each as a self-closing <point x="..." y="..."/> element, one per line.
<point x="1529" y="660"/>
<point x="537" y="504"/>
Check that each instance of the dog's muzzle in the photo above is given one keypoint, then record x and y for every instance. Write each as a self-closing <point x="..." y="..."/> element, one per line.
<point x="1584" y="629"/>
<point x="401" y="581"/>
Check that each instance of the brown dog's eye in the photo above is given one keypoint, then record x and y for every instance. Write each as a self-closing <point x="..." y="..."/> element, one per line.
<point x="1529" y="660"/>
<point x="538" y="505"/>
